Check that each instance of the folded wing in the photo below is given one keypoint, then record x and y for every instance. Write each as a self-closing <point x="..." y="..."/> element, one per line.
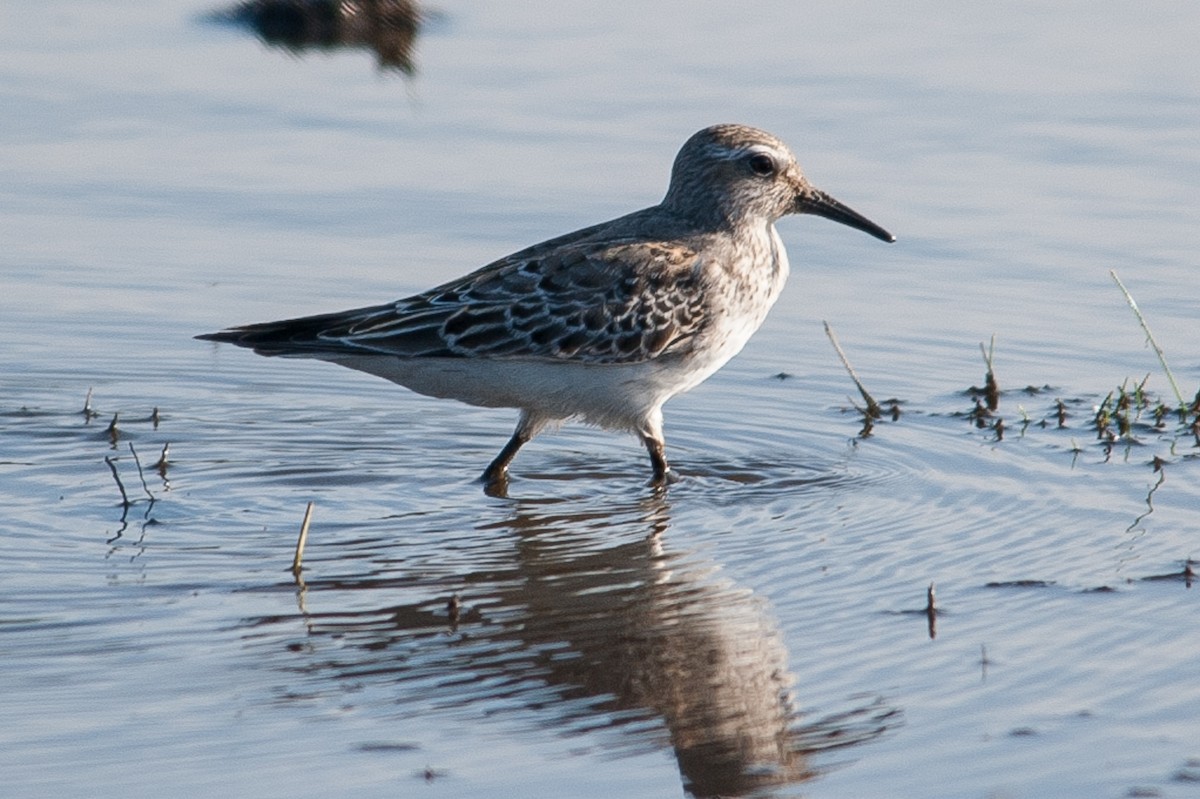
<point x="605" y="303"/>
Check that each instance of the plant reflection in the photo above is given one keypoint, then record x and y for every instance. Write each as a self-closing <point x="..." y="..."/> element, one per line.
<point x="389" y="27"/>
<point x="628" y="641"/>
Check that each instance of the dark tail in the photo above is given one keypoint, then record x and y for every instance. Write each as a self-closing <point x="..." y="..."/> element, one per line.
<point x="307" y="336"/>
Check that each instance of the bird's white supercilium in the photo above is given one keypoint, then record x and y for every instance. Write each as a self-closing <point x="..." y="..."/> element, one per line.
<point x="604" y="324"/>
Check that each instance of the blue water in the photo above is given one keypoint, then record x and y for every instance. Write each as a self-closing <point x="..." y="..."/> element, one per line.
<point x="758" y="631"/>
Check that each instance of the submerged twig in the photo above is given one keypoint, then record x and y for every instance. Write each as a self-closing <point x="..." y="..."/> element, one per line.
<point x="1162" y="358"/>
<point x="931" y="610"/>
<point x="302" y="540"/>
<point x="164" y="459"/>
<point x="112" y="467"/>
<point x="873" y="410"/>
<point x="88" y="412"/>
<point x="141" y="474"/>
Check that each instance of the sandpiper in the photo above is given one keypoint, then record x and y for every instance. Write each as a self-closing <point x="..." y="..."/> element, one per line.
<point x="604" y="324"/>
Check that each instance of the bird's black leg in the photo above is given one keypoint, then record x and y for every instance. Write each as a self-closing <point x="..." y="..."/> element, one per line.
<point x="651" y="433"/>
<point x="497" y="470"/>
<point x="662" y="474"/>
<point x="495" y="476"/>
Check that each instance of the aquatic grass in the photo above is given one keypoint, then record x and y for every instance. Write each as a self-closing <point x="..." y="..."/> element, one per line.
<point x="1158" y="350"/>
<point x="1129" y="413"/>
<point x="991" y="390"/>
<point x="88" y="411"/>
<point x="873" y="411"/>
<point x="298" y="558"/>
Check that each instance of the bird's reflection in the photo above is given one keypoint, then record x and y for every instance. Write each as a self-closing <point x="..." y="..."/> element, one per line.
<point x="629" y="640"/>
<point x="389" y="27"/>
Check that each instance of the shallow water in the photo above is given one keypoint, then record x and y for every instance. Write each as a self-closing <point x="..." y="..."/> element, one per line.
<point x="761" y="628"/>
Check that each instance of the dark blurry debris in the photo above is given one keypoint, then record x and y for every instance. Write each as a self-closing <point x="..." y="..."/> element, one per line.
<point x="1060" y="410"/>
<point x="931" y="610"/>
<point x="387" y="746"/>
<point x="783" y="376"/>
<point x="1108" y="443"/>
<point x="389" y="27"/>
<point x="453" y="609"/>
<point x="1044" y="583"/>
<point x="154" y="417"/>
<point x="1187" y="575"/>
<point x="984" y="661"/>
<point x="895" y="406"/>
<point x="114" y="432"/>
<point x="1023" y="732"/>
<point x="979" y="414"/>
<point x="999" y="428"/>
<point x="1019" y="584"/>
<point x="302" y="540"/>
<point x="430" y="774"/>
<point x="1190" y="773"/>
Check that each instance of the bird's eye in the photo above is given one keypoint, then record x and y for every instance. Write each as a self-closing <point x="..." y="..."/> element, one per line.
<point x="762" y="164"/>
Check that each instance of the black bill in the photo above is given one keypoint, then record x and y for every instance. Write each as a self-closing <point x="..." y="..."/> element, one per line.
<point x="815" y="201"/>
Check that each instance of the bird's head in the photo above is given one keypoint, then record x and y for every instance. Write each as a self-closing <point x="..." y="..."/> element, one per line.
<point x="734" y="174"/>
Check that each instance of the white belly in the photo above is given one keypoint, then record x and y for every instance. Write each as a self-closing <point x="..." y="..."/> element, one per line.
<point x="618" y="396"/>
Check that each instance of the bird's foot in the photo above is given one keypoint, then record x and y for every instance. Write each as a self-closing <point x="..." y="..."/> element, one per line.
<point x="495" y="483"/>
<point x="660" y="481"/>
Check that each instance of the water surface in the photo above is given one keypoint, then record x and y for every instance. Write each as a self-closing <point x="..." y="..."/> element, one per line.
<point x="760" y="629"/>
